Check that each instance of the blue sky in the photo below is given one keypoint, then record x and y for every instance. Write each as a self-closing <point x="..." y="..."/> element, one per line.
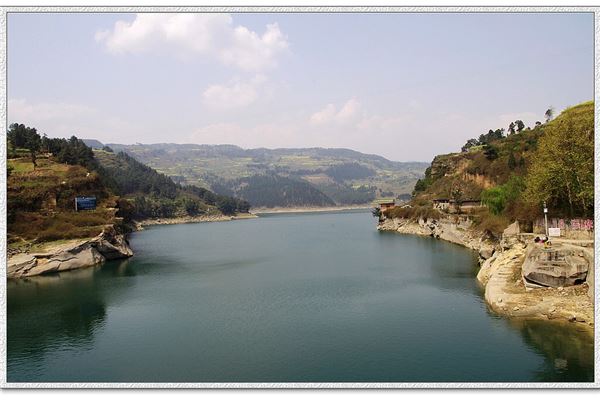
<point x="405" y="86"/>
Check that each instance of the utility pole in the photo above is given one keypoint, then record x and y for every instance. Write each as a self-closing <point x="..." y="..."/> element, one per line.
<point x="546" y="218"/>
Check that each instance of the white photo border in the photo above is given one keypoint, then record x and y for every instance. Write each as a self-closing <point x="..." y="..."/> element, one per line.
<point x="4" y="11"/>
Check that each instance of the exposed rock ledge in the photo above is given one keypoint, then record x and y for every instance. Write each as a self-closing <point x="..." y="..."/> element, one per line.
<point x="109" y="245"/>
<point x="500" y="272"/>
<point x="191" y="220"/>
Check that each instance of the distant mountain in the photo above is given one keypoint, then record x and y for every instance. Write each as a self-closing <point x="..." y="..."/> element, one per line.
<point x="281" y="177"/>
<point x="93" y="143"/>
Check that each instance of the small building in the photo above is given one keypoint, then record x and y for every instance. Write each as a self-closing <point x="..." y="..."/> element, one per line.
<point x="441" y="204"/>
<point x="450" y="204"/>
<point x="384" y="204"/>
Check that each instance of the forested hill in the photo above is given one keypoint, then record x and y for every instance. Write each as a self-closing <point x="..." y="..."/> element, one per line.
<point x="513" y="172"/>
<point x="153" y="194"/>
<point x="45" y="175"/>
<point x="293" y="177"/>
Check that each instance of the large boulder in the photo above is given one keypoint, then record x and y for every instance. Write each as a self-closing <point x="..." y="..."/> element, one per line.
<point x="510" y="236"/>
<point x="512" y="230"/>
<point x="109" y="245"/>
<point x="20" y="264"/>
<point x="112" y="245"/>
<point x="555" y="267"/>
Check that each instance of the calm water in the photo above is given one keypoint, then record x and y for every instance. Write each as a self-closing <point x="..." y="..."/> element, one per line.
<point x="297" y="297"/>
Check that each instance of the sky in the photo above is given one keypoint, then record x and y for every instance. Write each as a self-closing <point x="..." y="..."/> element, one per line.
<point x="407" y="86"/>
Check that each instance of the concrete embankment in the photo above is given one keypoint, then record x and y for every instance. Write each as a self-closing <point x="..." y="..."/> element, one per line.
<point x="500" y="274"/>
<point x="69" y="255"/>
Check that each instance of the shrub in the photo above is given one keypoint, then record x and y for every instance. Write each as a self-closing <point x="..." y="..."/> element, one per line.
<point x="485" y="221"/>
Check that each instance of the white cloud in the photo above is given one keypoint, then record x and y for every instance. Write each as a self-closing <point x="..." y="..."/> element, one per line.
<point x="65" y="119"/>
<point x="20" y="110"/>
<point x="348" y="112"/>
<point x="208" y="35"/>
<point x="233" y="95"/>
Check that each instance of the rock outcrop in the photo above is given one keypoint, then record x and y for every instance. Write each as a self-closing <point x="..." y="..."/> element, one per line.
<point x="555" y="266"/>
<point x="458" y="232"/>
<point x="109" y="245"/>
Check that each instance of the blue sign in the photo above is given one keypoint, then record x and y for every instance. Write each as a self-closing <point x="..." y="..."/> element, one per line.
<point x="85" y="203"/>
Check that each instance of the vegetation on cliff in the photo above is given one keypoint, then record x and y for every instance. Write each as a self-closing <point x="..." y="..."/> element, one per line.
<point x="513" y="174"/>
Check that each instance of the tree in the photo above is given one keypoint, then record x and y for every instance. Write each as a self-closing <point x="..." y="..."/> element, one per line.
<point x="33" y="143"/>
<point x="520" y="125"/>
<point x="21" y="136"/>
<point x="511" y="128"/>
<point x="512" y="162"/>
<point x="549" y="114"/>
<point x="457" y="195"/>
<point x="490" y="152"/>
<point x="562" y="168"/>
<point x="16" y="136"/>
<point x="470" y="143"/>
<point x="499" y="197"/>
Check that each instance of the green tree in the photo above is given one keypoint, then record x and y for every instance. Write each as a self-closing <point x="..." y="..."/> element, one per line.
<point x="470" y="143"/>
<point x="512" y="162"/>
<point x="520" y="125"/>
<point x="562" y="168"/>
<point x="457" y="195"/>
<point x="33" y="143"/>
<point x="511" y="128"/>
<point x="549" y="114"/>
<point x="490" y="152"/>
<point x="499" y="197"/>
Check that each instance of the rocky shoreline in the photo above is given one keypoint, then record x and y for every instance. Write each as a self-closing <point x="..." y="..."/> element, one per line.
<point x="69" y="255"/>
<point x="500" y="273"/>
<point x="191" y="220"/>
<point x="82" y="253"/>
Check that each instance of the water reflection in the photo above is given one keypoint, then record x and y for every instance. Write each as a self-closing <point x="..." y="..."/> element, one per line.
<point x="567" y="348"/>
<point x="56" y="311"/>
<point x="357" y="306"/>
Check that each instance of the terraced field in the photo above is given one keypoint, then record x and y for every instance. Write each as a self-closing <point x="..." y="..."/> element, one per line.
<point x="343" y="176"/>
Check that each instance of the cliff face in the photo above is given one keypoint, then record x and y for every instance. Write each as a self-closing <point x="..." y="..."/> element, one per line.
<point x="109" y="245"/>
<point x="458" y="232"/>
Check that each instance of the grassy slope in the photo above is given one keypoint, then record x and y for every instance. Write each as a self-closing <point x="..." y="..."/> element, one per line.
<point x="473" y="172"/>
<point x="40" y="202"/>
<point x="476" y="172"/>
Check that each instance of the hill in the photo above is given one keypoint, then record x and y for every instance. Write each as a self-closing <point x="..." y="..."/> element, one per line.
<point x="45" y="175"/>
<point x="40" y="202"/>
<point x="316" y="176"/>
<point x="512" y="175"/>
<point x="153" y="194"/>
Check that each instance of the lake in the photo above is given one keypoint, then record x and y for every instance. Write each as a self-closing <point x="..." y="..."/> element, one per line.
<point x="321" y="297"/>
